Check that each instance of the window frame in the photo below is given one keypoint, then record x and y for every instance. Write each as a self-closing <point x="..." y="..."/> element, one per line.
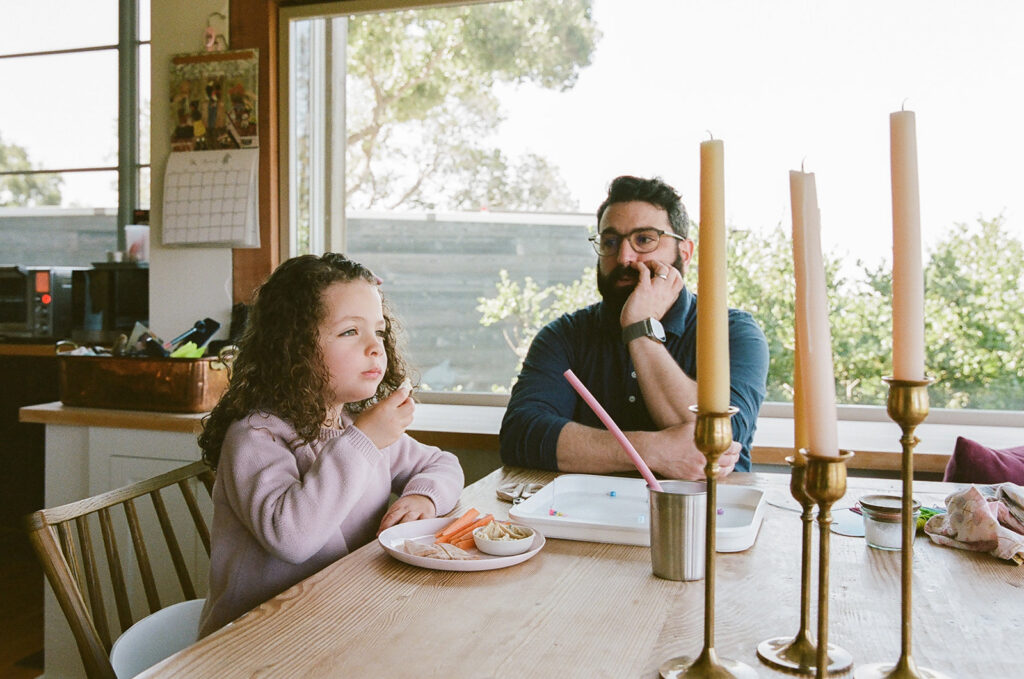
<point x="129" y="168"/>
<point x="334" y="235"/>
<point x="330" y="190"/>
<point x="292" y="10"/>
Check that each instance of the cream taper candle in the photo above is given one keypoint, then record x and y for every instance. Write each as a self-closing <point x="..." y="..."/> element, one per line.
<point x="800" y="438"/>
<point x="712" y="312"/>
<point x="814" y="340"/>
<point x="907" y="271"/>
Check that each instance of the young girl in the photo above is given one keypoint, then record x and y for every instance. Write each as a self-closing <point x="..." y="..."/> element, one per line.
<point x="309" y="441"/>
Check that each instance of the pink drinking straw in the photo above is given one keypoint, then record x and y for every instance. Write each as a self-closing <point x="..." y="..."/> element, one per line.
<point x="638" y="461"/>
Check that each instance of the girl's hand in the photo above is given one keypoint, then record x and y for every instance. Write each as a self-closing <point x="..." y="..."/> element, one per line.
<point x="386" y="421"/>
<point x="408" y="508"/>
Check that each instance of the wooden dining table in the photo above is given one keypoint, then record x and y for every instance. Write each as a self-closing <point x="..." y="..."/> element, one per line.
<point x="590" y="609"/>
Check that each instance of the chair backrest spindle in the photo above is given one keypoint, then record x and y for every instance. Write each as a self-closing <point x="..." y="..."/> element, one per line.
<point x="172" y="545"/>
<point x="92" y="579"/>
<point x="67" y="545"/>
<point x="193" y="508"/>
<point x="117" y="581"/>
<point x="142" y="556"/>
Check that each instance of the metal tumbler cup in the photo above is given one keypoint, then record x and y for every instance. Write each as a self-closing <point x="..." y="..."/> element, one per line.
<point x="678" y="516"/>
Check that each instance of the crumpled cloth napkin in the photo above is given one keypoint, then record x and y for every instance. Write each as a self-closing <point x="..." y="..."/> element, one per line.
<point x="983" y="519"/>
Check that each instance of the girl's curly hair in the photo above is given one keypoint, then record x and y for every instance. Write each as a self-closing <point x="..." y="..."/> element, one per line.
<point x="279" y="368"/>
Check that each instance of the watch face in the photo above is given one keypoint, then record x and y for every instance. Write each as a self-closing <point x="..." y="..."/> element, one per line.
<point x="657" y="331"/>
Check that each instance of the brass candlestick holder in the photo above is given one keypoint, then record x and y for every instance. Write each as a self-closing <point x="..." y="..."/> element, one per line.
<point x="799" y="654"/>
<point x="713" y="436"/>
<point x="825" y="483"/>
<point x="907" y="406"/>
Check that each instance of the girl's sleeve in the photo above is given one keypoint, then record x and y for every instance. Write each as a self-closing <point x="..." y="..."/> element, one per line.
<point x="293" y="516"/>
<point x="418" y="469"/>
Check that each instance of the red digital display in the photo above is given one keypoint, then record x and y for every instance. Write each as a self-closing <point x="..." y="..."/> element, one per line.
<point x="42" y="281"/>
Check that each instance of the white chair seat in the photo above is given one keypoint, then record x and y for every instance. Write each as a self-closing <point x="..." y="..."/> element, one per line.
<point x="156" y="637"/>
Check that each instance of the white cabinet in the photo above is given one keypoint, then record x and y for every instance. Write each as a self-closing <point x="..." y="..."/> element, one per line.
<point x="84" y="459"/>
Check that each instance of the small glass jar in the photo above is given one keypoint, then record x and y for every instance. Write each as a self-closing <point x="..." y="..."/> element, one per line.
<point x="882" y="526"/>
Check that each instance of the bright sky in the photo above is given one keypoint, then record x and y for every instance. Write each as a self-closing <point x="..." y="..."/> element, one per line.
<point x="780" y="81"/>
<point x="788" y="81"/>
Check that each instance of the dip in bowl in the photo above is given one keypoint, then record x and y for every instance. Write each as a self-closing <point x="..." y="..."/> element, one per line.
<point x="503" y="539"/>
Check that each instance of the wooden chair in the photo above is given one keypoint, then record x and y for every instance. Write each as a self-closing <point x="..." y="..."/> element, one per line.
<point x="73" y="567"/>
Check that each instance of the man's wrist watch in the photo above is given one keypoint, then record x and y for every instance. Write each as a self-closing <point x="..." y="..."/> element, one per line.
<point x="649" y="327"/>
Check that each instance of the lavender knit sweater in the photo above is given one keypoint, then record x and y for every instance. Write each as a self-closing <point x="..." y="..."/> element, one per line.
<point x="283" y="510"/>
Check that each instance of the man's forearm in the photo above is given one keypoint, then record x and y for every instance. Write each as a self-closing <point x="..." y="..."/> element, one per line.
<point x="589" y="450"/>
<point x="669" y="453"/>
<point x="668" y="391"/>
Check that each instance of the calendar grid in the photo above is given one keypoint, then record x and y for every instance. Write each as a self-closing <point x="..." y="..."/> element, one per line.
<point x="210" y="198"/>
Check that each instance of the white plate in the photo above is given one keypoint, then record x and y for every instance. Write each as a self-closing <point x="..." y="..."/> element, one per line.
<point x="583" y="507"/>
<point x="423" y="531"/>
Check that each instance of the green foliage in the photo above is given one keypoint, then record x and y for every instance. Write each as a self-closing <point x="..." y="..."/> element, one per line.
<point x="860" y="316"/>
<point x="974" y="315"/>
<point x="761" y="282"/>
<point x="525" y="309"/>
<point x="974" y="318"/>
<point x="25" y="190"/>
<point x="421" y="106"/>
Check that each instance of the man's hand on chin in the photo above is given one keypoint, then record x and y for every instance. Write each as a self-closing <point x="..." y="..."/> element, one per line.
<point x="657" y="288"/>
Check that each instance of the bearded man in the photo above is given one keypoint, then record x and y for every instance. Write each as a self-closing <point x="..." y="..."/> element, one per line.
<point x="636" y="351"/>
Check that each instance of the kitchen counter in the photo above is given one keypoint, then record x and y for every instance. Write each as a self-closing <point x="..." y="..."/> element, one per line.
<point x="58" y="413"/>
<point x="27" y="349"/>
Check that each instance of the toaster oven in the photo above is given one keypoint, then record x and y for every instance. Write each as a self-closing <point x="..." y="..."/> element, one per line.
<point x="35" y="303"/>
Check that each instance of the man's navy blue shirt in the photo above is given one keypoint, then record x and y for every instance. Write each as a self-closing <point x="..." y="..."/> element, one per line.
<point x="589" y="341"/>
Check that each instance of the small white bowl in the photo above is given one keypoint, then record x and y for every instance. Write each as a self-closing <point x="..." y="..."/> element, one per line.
<point x="506" y="547"/>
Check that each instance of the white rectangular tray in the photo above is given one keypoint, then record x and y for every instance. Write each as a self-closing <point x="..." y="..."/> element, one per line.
<point x="617" y="510"/>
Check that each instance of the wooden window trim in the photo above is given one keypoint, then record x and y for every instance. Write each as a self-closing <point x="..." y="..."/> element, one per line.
<point x="253" y="23"/>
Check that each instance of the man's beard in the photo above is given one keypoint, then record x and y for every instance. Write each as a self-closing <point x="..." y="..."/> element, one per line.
<point x="614" y="295"/>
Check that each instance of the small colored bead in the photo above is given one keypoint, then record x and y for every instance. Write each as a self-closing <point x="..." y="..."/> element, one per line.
<point x="721" y="511"/>
<point x="612" y="493"/>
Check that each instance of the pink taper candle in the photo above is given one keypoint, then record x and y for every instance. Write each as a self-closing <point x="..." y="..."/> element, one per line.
<point x="603" y="415"/>
<point x="814" y="340"/>
<point x="712" y="311"/>
<point x="907" y="271"/>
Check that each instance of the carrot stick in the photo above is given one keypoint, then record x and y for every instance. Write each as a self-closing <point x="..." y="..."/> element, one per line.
<point x="467" y="530"/>
<point x="467" y="539"/>
<point x="458" y="523"/>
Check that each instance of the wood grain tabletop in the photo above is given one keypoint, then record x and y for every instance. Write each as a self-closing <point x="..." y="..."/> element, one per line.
<point x="587" y="609"/>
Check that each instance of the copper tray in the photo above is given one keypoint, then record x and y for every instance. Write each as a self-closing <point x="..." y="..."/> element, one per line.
<point x="174" y="385"/>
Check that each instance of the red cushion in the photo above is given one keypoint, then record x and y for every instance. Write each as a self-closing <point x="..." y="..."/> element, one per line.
<point x="974" y="463"/>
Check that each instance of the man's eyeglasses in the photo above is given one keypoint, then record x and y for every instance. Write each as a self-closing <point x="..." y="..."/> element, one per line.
<point x="641" y="240"/>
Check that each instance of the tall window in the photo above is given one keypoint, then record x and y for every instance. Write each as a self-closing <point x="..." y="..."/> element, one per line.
<point x="461" y="152"/>
<point x="59" y="131"/>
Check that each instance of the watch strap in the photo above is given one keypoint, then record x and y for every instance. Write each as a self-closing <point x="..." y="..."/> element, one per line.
<point x="649" y="327"/>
